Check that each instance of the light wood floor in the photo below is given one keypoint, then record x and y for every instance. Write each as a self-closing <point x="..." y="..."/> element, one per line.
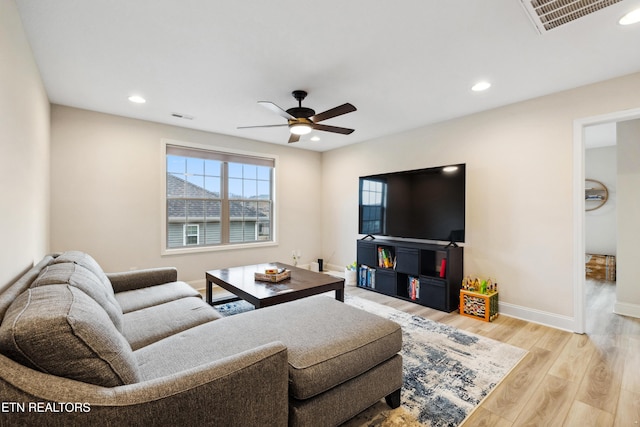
<point x="566" y="379"/>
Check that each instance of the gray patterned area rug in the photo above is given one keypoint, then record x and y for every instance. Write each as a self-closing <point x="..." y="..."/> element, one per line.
<point x="447" y="371"/>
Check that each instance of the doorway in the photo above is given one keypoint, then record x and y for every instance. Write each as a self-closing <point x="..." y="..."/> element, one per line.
<point x="579" y="147"/>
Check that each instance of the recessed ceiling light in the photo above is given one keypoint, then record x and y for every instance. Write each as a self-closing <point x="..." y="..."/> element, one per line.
<point x="632" y="17"/>
<point x="480" y="86"/>
<point x="137" y="99"/>
<point x="315" y="138"/>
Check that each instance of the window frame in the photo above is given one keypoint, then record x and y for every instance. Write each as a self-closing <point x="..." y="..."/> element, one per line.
<point x="165" y="250"/>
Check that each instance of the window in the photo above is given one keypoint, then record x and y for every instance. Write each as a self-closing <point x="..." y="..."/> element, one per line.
<point x="373" y="196"/>
<point x="215" y="198"/>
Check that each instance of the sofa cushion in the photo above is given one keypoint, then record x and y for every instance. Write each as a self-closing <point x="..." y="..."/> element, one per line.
<point x="87" y="262"/>
<point x="143" y="327"/>
<point x="85" y="280"/>
<point x="60" y="330"/>
<point x="11" y="292"/>
<point x="138" y="299"/>
<point x="328" y="342"/>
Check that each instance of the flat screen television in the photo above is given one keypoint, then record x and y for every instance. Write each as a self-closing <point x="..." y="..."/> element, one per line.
<point x="427" y="204"/>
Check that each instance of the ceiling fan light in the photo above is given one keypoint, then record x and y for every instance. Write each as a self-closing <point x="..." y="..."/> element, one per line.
<point x="300" y="128"/>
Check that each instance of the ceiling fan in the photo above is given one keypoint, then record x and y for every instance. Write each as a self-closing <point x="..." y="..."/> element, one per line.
<point x="302" y="120"/>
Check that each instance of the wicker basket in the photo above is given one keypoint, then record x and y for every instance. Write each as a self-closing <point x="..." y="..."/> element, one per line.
<point x="273" y="278"/>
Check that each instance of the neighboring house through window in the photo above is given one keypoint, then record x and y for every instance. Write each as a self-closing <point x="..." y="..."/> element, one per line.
<point x="216" y="198"/>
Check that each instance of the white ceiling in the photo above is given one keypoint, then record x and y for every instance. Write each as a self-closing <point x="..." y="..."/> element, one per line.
<point x="403" y="64"/>
<point x="601" y="135"/>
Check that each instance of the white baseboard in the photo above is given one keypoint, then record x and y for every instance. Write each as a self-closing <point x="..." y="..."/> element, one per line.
<point x="537" y="316"/>
<point x="199" y="285"/>
<point x="626" y="309"/>
<point x="531" y="315"/>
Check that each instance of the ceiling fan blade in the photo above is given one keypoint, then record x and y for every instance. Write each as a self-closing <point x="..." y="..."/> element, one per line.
<point x="262" y="126"/>
<point x="334" y="129"/>
<point x="337" y="111"/>
<point x="294" y="138"/>
<point x="273" y="107"/>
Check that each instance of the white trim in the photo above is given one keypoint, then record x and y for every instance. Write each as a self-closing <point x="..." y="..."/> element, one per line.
<point x="163" y="191"/>
<point x="537" y="316"/>
<point x="626" y="309"/>
<point x="228" y="247"/>
<point x="578" y="228"/>
<point x="579" y="300"/>
<point x="199" y="285"/>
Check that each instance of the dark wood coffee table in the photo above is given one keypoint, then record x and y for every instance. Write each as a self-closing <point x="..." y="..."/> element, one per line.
<point x="241" y="282"/>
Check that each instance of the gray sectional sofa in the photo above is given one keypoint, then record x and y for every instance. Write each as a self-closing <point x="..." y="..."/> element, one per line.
<point x="81" y="347"/>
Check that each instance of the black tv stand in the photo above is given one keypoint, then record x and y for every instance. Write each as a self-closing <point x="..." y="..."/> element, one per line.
<point x="424" y="273"/>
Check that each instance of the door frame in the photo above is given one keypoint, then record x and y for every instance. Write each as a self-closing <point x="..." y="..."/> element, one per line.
<point x="579" y="297"/>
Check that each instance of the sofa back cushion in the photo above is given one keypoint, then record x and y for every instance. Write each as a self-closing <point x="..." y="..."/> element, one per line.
<point x="59" y="330"/>
<point x="11" y="292"/>
<point x="86" y="261"/>
<point x="85" y="280"/>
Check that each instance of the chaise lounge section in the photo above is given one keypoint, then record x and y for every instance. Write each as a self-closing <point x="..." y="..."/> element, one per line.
<point x="142" y="348"/>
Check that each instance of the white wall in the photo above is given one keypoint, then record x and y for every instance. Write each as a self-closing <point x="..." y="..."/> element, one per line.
<point x="519" y="191"/>
<point x="627" y="266"/>
<point x="600" y="224"/>
<point x="24" y="151"/>
<point x="106" y="183"/>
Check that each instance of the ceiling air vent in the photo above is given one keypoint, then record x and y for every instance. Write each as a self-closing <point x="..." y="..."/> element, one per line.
<point x="549" y="14"/>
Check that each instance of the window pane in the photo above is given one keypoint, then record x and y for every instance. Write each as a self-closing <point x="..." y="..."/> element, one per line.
<point x="264" y="230"/>
<point x="235" y="170"/>
<point x="251" y="210"/>
<point x="176" y="210"/>
<point x="264" y="173"/>
<point x="235" y="209"/>
<point x="175" y="185"/>
<point x="264" y="210"/>
<point x="212" y="210"/>
<point x="264" y="190"/>
<point x="195" y="210"/>
<point x="250" y="172"/>
<point x="212" y="233"/>
<point x="212" y="168"/>
<point x="195" y="186"/>
<point x="195" y="166"/>
<point x="176" y="164"/>
<point x="250" y="189"/>
<point x="212" y="187"/>
<point x="235" y="188"/>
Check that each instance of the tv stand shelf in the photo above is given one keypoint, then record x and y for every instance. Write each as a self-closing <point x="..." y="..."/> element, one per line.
<point x="424" y="273"/>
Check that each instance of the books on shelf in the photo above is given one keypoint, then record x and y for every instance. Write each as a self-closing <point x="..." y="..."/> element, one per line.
<point x="413" y="288"/>
<point x="385" y="259"/>
<point x="367" y="277"/>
